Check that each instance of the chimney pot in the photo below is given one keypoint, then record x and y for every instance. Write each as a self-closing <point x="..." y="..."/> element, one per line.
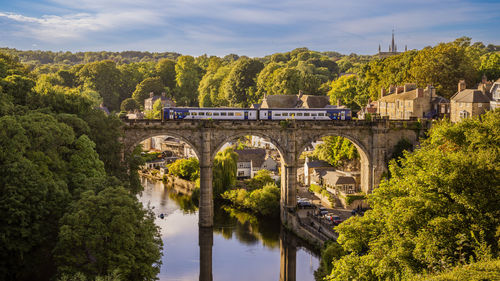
<point x="461" y="85"/>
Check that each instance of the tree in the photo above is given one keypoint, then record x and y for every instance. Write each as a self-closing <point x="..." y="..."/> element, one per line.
<point x="490" y="65"/>
<point x="240" y="80"/>
<point x="187" y="76"/>
<point x="432" y="214"/>
<point x="445" y="65"/>
<point x="149" y="85"/>
<point x="337" y="151"/>
<point x="188" y="169"/>
<point x="123" y="238"/>
<point x="166" y="71"/>
<point x="224" y="171"/>
<point x="105" y="78"/>
<point x="129" y="104"/>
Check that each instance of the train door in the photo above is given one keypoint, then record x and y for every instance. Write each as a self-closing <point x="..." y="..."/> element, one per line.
<point x="269" y="115"/>
<point x="166" y="114"/>
<point x="246" y="115"/>
<point x="342" y="115"/>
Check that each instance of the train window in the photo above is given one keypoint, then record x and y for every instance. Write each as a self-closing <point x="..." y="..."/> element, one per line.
<point x="230" y="114"/>
<point x="284" y="114"/>
<point x="194" y="113"/>
<point x="277" y="114"/>
<point x="209" y="113"/>
<point x="314" y="114"/>
<point x="237" y="114"/>
<point x="202" y="113"/>
<point x="216" y="113"/>
<point x="306" y="114"/>
<point x="223" y="114"/>
<point x="299" y="113"/>
<point x="321" y="114"/>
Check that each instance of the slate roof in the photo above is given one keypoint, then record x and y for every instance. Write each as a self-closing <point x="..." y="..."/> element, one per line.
<point x="335" y="178"/>
<point x="470" y="96"/>
<point x="318" y="164"/>
<point x="410" y="95"/>
<point x="310" y="101"/>
<point x="255" y="155"/>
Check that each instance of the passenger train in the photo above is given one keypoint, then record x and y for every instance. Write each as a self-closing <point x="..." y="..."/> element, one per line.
<point x="187" y="113"/>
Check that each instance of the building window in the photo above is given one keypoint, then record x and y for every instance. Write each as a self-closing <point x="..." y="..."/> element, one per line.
<point x="464" y="114"/>
<point x="241" y="173"/>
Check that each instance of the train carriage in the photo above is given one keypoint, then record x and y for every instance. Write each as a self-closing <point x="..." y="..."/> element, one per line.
<point x="195" y="113"/>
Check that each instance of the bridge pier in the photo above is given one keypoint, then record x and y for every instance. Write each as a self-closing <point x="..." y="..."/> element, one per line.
<point x="288" y="190"/>
<point x="206" y="210"/>
<point x="288" y="260"/>
<point x="206" y="241"/>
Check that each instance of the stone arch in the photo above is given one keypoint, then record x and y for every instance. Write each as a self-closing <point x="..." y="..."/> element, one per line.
<point x="365" y="153"/>
<point x="137" y="139"/>
<point x="218" y="145"/>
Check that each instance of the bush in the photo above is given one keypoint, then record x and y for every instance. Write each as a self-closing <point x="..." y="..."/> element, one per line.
<point x="349" y="198"/>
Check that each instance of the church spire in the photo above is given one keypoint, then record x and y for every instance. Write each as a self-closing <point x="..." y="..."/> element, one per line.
<point x="393" y="47"/>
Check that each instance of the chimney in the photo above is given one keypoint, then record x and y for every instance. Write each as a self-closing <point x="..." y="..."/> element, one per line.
<point x="461" y="85"/>
<point x="410" y="86"/>
<point x="420" y="93"/>
<point x="431" y="90"/>
<point x="485" y="79"/>
<point x="151" y="94"/>
<point x="382" y="92"/>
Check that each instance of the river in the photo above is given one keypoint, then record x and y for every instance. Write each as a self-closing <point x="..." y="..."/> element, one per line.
<point x="239" y="247"/>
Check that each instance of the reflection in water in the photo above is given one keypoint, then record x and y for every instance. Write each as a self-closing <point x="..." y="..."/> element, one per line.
<point x="238" y="247"/>
<point x="206" y="241"/>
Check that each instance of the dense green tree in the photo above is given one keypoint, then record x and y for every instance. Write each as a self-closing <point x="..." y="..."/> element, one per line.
<point x="490" y="66"/>
<point x="188" y="169"/>
<point x="260" y="179"/>
<point x="345" y="90"/>
<point x="105" y="78"/>
<point x="129" y="104"/>
<point x="149" y="85"/>
<point x="286" y="81"/>
<point x="337" y="151"/>
<point x="187" y="76"/>
<point x="18" y="87"/>
<point x="445" y="65"/>
<point x="265" y="79"/>
<point x="224" y="171"/>
<point x="240" y="80"/>
<point x="209" y="89"/>
<point x="122" y="238"/>
<point x="432" y="214"/>
<point x="166" y="70"/>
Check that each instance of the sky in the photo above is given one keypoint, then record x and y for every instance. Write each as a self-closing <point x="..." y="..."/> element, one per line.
<point x="253" y="28"/>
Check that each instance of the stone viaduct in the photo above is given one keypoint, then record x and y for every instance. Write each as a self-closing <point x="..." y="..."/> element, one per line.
<point x="374" y="140"/>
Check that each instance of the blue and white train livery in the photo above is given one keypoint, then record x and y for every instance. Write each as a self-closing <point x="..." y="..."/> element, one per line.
<point x="190" y="113"/>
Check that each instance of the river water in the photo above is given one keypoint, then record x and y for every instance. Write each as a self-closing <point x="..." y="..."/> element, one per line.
<point x="239" y="247"/>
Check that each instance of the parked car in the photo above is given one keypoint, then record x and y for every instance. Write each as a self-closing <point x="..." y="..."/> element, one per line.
<point x="336" y="220"/>
<point x="322" y="211"/>
<point x="304" y="204"/>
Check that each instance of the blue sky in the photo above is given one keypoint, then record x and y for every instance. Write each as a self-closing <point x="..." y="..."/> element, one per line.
<point x="245" y="27"/>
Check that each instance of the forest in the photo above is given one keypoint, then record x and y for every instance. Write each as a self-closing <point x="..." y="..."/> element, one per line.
<point x="121" y="81"/>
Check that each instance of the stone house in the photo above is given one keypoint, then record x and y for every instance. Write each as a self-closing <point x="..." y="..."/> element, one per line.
<point x="312" y="168"/>
<point x="252" y="160"/>
<point x="495" y="95"/>
<point x="149" y="102"/>
<point x="467" y="103"/>
<point x="337" y="181"/>
<point x="408" y="101"/>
